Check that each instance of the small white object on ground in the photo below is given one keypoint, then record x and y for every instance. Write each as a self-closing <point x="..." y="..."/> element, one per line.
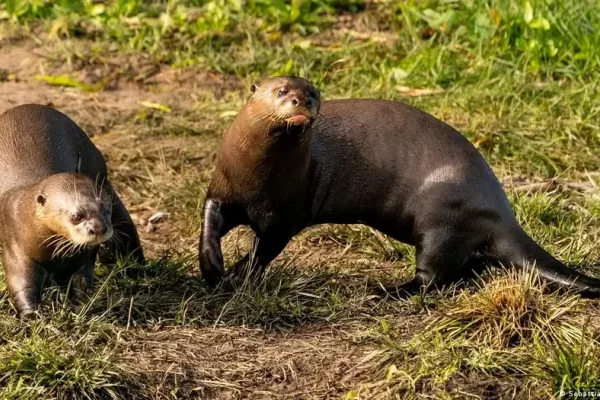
<point x="158" y="217"/>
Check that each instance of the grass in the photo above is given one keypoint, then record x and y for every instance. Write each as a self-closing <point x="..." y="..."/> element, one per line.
<point x="157" y="82"/>
<point x="64" y="357"/>
<point x="77" y="350"/>
<point x="507" y="328"/>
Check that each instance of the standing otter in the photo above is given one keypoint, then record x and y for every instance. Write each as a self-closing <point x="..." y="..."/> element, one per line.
<point x="56" y="205"/>
<point x="288" y="162"/>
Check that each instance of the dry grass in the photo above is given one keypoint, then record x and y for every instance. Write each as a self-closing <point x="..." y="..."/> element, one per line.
<point x="506" y="329"/>
<point x="311" y="329"/>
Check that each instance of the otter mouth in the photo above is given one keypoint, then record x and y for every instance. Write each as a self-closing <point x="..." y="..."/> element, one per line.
<point x="91" y="240"/>
<point x="292" y="124"/>
<point x="99" y="239"/>
<point x="298" y="120"/>
<point x="67" y="246"/>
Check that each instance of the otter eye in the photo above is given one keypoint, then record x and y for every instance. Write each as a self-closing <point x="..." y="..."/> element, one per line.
<point x="76" y="218"/>
<point x="282" y="92"/>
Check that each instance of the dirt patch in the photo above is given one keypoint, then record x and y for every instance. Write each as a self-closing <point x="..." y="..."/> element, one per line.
<point x="241" y="363"/>
<point x="126" y="84"/>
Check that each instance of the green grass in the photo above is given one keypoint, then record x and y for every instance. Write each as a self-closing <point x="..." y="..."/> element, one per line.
<point x="519" y="78"/>
<point x="62" y="357"/>
<point x="508" y="328"/>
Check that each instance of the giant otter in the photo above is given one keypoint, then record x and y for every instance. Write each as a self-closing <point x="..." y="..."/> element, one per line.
<point x="56" y="204"/>
<point x="288" y="162"/>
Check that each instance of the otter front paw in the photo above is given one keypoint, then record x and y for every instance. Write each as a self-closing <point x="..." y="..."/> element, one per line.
<point x="211" y="266"/>
<point x="27" y="314"/>
<point x="27" y="304"/>
<point x="82" y="287"/>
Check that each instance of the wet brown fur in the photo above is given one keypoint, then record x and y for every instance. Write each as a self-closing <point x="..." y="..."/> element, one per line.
<point x="48" y="167"/>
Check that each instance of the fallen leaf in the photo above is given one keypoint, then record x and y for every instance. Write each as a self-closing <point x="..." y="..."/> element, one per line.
<point x="156" y="106"/>
<point x="414" y="92"/>
<point x="225" y="114"/>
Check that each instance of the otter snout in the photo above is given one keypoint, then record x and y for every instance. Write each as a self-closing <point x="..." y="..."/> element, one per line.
<point x="299" y="100"/>
<point x="90" y="229"/>
<point x="300" y="107"/>
<point x="97" y="231"/>
<point x="96" y="228"/>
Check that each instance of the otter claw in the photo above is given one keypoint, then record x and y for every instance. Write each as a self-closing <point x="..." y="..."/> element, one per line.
<point x="27" y="314"/>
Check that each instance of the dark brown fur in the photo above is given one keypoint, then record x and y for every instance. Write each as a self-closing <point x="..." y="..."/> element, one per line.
<point x="380" y="163"/>
<point x="49" y="169"/>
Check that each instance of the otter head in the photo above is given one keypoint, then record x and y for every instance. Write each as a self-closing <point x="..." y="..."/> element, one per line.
<point x="76" y="208"/>
<point x="292" y="103"/>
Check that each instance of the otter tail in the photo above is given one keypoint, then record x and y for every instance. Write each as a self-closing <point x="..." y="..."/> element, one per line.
<point x="517" y="248"/>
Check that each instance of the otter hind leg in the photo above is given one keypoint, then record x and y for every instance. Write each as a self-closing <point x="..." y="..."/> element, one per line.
<point x="443" y="257"/>
<point x="264" y="249"/>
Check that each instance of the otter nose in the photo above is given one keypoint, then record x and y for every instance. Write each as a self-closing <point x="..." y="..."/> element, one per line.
<point x="298" y="100"/>
<point x="97" y="229"/>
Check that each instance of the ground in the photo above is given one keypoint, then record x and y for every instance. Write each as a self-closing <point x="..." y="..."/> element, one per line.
<point x="311" y="330"/>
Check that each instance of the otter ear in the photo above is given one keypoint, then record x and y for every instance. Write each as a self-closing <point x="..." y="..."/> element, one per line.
<point x="41" y="199"/>
<point x="253" y="88"/>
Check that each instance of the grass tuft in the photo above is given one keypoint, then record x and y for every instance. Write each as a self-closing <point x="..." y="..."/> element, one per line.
<point x="61" y="358"/>
<point x="509" y="327"/>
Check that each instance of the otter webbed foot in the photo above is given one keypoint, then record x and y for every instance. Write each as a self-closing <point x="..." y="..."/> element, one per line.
<point x="26" y="297"/>
<point x="211" y="264"/>
<point x="26" y="301"/>
<point x="264" y="249"/>
<point x="25" y="280"/>
<point x="398" y="292"/>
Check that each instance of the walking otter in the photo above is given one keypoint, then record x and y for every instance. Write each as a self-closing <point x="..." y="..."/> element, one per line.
<point x="288" y="162"/>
